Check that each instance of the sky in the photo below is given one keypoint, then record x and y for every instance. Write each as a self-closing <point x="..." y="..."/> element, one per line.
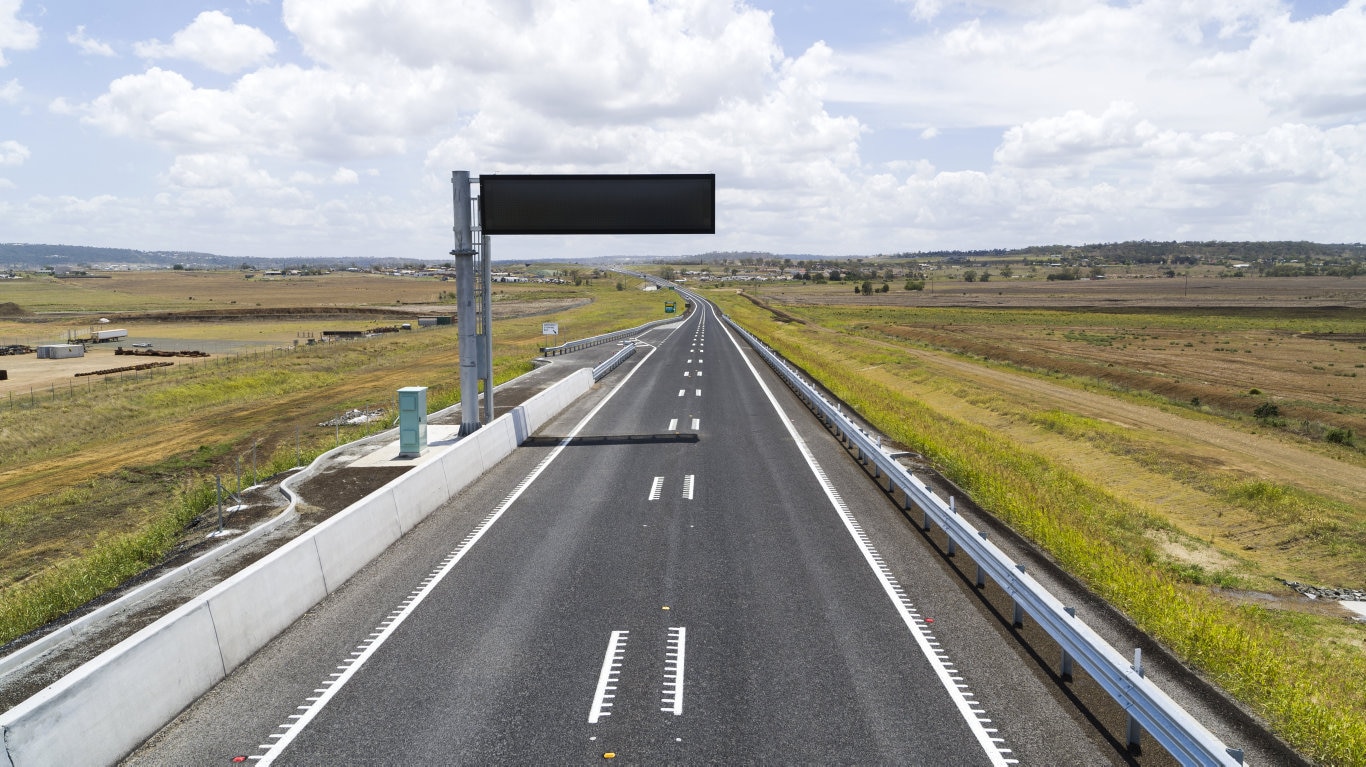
<point x="329" y="128"/>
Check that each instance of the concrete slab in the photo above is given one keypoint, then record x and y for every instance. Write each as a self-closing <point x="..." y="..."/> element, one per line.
<point x="439" y="440"/>
<point x="1357" y="607"/>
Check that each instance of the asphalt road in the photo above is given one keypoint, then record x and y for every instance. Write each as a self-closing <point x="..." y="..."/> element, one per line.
<point x="684" y="568"/>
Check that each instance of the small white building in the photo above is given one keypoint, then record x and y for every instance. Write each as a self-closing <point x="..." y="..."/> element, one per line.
<point x="60" y="351"/>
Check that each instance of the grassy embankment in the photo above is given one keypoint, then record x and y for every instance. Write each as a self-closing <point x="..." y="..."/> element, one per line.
<point x="95" y="487"/>
<point x="1300" y="671"/>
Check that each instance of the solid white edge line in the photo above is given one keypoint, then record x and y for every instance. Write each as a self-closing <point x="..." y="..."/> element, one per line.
<point x="965" y="707"/>
<point x="395" y="620"/>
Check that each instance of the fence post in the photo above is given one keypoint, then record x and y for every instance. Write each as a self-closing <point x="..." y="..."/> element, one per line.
<point x="218" y="484"/>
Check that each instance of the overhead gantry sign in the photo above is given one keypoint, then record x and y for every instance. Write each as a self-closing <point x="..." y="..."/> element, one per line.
<point x="680" y="203"/>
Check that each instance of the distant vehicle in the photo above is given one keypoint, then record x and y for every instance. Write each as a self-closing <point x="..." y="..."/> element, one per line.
<point x="143" y="345"/>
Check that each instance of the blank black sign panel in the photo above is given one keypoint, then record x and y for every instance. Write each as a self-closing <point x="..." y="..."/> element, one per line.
<point x="683" y="203"/>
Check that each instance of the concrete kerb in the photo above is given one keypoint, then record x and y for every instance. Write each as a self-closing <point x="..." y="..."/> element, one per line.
<point x="35" y="650"/>
<point x="85" y="717"/>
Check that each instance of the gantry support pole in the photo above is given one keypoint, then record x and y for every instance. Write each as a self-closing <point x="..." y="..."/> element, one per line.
<point x="464" y="303"/>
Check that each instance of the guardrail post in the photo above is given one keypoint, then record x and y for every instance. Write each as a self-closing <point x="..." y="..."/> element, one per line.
<point x="1065" y="670"/>
<point x="953" y="547"/>
<point x="981" y="574"/>
<point x="1018" y="618"/>
<point x="1134" y="729"/>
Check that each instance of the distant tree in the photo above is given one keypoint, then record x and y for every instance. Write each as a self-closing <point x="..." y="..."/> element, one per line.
<point x="866" y="288"/>
<point x="1266" y="411"/>
<point x="667" y="273"/>
<point x="915" y="284"/>
<point x="885" y="288"/>
<point x="1007" y="272"/>
<point x="621" y="285"/>
<point x="985" y="276"/>
<point x="970" y="275"/>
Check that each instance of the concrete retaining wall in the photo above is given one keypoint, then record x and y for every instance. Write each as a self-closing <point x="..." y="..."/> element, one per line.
<point x="107" y="707"/>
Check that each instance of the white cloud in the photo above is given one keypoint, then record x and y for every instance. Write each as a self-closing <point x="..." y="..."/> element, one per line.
<point x="15" y="33"/>
<point x="1314" y="69"/>
<point x="215" y="41"/>
<point x="1150" y="119"/>
<point x="89" y="46"/>
<point x="1074" y="138"/>
<point x="13" y="153"/>
<point x="11" y="91"/>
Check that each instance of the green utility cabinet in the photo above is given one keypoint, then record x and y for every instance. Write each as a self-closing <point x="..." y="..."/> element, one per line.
<point x="412" y="421"/>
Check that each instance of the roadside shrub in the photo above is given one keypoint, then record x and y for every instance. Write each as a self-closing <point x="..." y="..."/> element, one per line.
<point x="1340" y="437"/>
<point x="915" y="284"/>
<point x="1266" y="411"/>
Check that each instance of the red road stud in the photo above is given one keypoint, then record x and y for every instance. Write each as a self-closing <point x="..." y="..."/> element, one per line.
<point x="929" y="620"/>
<point x="239" y="758"/>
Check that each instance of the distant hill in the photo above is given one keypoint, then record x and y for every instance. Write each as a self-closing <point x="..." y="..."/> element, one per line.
<point x="25" y="256"/>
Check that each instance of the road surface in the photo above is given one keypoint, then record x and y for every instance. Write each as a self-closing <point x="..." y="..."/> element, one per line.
<point x="683" y="567"/>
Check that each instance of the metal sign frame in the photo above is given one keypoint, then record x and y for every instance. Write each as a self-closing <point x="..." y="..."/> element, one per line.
<point x="678" y="203"/>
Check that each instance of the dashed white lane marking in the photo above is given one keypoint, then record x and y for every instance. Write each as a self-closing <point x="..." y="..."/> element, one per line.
<point x="699" y="374"/>
<point x="687" y="487"/>
<point x="607" y="678"/>
<point x="699" y="393"/>
<point x="386" y="628"/>
<point x="686" y="374"/>
<point x="681" y="392"/>
<point x="975" y="717"/>
<point x="696" y="424"/>
<point x="673" y="424"/>
<point x="673" y="671"/>
<point x="656" y="488"/>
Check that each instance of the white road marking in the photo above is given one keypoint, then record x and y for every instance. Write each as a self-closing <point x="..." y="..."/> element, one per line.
<point x="656" y="488"/>
<point x="607" y="678"/>
<point x="681" y="392"/>
<point x="696" y="424"/>
<point x="389" y="625"/>
<point x="699" y="374"/>
<point x="673" y="424"/>
<point x="673" y="670"/>
<point x="699" y="393"/>
<point x="686" y="374"/>
<point x="687" y="487"/>
<point x="975" y="719"/>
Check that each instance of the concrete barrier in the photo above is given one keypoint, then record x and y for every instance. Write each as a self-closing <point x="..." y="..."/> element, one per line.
<point x="107" y="707"/>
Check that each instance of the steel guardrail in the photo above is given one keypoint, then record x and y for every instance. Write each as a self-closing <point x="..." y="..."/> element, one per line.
<point x="584" y="343"/>
<point x="1185" y="738"/>
<point x="616" y="359"/>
